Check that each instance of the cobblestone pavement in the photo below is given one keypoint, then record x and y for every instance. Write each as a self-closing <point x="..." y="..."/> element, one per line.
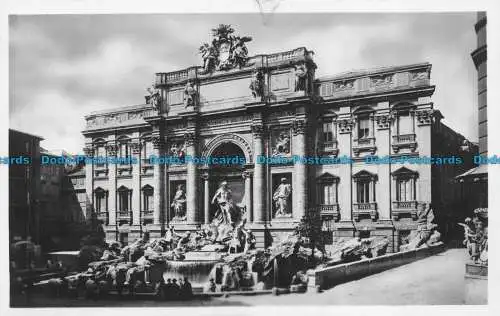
<point x="435" y="280"/>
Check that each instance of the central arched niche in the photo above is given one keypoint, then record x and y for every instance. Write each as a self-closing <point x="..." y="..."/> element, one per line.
<point x="231" y="173"/>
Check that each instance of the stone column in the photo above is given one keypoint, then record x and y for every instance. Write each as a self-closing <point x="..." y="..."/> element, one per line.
<point x="158" y="145"/>
<point x="259" y="185"/>
<point x="192" y="179"/>
<point x="112" y="209"/>
<point x="206" y="198"/>
<point x="248" y="194"/>
<point x="136" y="184"/>
<point x="300" y="170"/>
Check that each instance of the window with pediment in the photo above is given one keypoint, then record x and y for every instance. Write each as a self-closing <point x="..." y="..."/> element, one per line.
<point x="327" y="189"/>
<point x="405" y="183"/>
<point x="124" y="199"/>
<point x="101" y="200"/>
<point x="365" y="186"/>
<point x="147" y="198"/>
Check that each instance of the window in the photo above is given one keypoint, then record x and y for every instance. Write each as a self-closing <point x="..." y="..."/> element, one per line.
<point x="364" y="127"/>
<point x="327" y="189"/>
<point x="101" y="154"/>
<point x="363" y="192"/>
<point x="405" y="182"/>
<point x="365" y="186"/>
<point x="328" y="132"/>
<point x="147" y="150"/>
<point x="124" y="199"/>
<point x="329" y="193"/>
<point x="147" y="198"/>
<point x="101" y="204"/>
<point x="405" y="123"/>
<point x="404" y="190"/>
<point x="124" y="149"/>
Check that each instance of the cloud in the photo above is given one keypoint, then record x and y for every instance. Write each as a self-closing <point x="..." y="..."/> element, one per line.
<point x="51" y="117"/>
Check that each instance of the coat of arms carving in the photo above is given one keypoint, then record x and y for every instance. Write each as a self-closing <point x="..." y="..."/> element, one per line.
<point x="226" y="51"/>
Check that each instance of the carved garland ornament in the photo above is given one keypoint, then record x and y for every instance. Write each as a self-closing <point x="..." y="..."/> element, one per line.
<point x="424" y="117"/>
<point x="111" y="149"/>
<point x="157" y="141"/>
<point x="384" y="121"/>
<point x="258" y="131"/>
<point x="136" y="148"/>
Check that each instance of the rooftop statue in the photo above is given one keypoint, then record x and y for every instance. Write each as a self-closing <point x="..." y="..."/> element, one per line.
<point x="226" y="51"/>
<point x="153" y="97"/>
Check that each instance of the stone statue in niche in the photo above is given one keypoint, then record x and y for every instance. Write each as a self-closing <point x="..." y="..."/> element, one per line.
<point x="301" y="74"/>
<point x="281" y="199"/>
<point x="257" y="85"/>
<point x="179" y="203"/>
<point x="282" y="146"/>
<point x="190" y="94"/>
<point x="154" y="97"/>
<point x="225" y="205"/>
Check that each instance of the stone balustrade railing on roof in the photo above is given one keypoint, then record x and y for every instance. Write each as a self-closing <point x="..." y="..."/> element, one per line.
<point x="254" y="62"/>
<point x="371" y="82"/>
<point x="113" y="118"/>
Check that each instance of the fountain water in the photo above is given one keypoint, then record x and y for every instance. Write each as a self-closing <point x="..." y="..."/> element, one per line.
<point x="196" y="267"/>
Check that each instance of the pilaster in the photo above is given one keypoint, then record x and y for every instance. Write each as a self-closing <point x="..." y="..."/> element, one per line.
<point x="136" y="184"/>
<point x="111" y="150"/>
<point x="259" y="187"/>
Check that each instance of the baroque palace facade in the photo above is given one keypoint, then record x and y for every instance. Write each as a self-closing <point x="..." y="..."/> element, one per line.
<point x="273" y="106"/>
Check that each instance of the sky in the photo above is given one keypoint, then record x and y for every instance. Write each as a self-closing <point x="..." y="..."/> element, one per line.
<point x="62" y="67"/>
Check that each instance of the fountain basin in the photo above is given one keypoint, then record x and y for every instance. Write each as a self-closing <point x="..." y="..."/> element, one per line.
<point x="196" y="267"/>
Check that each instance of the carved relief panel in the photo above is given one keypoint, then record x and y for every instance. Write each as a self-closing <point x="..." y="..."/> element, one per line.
<point x="281" y="142"/>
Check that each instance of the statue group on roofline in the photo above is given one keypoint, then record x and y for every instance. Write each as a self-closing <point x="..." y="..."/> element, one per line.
<point x="226" y="51"/>
<point x="476" y="236"/>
